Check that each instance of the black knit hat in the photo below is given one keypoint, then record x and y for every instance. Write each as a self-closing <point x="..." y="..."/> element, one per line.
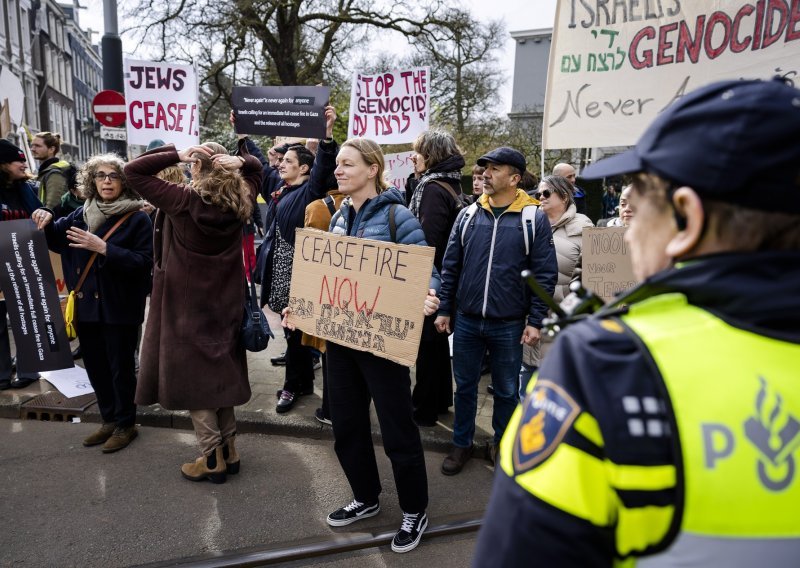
<point x="10" y="153"/>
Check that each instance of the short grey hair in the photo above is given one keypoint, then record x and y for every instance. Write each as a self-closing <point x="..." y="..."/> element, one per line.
<point x="436" y="146"/>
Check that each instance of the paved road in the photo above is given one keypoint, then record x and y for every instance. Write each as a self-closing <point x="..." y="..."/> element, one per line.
<point x="66" y="505"/>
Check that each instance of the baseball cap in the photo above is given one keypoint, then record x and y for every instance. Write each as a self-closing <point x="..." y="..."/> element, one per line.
<point x="283" y="148"/>
<point x="10" y="153"/>
<point x="504" y="155"/>
<point x="733" y="141"/>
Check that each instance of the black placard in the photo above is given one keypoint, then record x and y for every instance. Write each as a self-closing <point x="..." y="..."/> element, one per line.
<point x="31" y="296"/>
<point x="281" y="111"/>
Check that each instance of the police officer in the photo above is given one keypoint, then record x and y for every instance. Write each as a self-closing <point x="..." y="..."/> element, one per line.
<point x="667" y="426"/>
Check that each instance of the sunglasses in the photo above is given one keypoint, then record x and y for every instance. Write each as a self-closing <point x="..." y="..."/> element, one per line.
<point x="113" y="176"/>
<point x="546" y="193"/>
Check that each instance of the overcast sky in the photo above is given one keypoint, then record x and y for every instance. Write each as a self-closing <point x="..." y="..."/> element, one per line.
<point x="517" y="14"/>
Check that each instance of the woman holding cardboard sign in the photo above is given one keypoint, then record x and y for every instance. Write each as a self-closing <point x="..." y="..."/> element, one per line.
<point x="374" y="211"/>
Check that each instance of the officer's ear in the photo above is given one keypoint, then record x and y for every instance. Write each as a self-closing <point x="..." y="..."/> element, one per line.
<point x="689" y="222"/>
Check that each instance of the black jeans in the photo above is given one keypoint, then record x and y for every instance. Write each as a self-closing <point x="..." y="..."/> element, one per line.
<point x="433" y="391"/>
<point x="326" y="403"/>
<point x="108" y="355"/>
<point x="355" y="378"/>
<point x="299" y="364"/>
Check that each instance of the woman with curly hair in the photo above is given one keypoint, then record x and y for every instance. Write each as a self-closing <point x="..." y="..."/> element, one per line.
<point x="191" y="357"/>
<point x="111" y="240"/>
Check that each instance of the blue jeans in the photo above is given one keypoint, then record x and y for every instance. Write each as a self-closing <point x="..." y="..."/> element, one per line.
<point x="472" y="335"/>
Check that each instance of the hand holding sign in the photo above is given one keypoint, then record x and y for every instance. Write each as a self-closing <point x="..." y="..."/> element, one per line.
<point x="41" y="217"/>
<point x="330" y="119"/>
<point x="431" y="303"/>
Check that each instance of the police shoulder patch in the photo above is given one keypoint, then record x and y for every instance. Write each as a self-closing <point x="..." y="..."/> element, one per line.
<point x="548" y="411"/>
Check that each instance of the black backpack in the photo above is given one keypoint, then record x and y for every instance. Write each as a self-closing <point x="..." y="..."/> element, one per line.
<point x="70" y="173"/>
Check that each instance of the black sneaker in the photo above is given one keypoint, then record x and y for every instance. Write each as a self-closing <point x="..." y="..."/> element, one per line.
<point x="353" y="512"/>
<point x="410" y="533"/>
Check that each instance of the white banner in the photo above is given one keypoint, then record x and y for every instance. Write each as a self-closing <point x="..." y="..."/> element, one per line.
<point x="615" y="65"/>
<point x="162" y="103"/>
<point x="398" y="167"/>
<point x="391" y="107"/>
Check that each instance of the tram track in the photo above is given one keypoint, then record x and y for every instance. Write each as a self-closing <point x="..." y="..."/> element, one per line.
<point x="274" y="554"/>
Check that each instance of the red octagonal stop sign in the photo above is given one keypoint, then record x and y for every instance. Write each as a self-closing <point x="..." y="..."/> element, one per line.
<point x="109" y="108"/>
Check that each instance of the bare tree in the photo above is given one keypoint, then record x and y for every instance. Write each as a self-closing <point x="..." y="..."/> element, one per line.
<point x="277" y="42"/>
<point x="465" y="75"/>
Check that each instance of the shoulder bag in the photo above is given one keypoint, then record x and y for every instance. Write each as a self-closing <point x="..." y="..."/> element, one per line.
<point x="68" y="306"/>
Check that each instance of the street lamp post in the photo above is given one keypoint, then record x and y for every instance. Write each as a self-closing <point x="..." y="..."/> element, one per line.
<point x="111" y="50"/>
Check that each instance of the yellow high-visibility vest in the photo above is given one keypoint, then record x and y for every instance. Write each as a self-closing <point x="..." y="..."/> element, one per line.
<point x="735" y="398"/>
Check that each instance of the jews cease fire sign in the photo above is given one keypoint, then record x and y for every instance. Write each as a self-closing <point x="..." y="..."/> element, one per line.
<point x="361" y="293"/>
<point x="614" y="66"/>
<point x="162" y="103"/>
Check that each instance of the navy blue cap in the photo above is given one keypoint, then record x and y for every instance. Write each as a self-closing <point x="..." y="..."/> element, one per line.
<point x="733" y="141"/>
<point x="504" y="155"/>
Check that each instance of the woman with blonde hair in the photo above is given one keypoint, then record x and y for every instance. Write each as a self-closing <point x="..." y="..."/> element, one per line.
<point x="191" y="356"/>
<point x="108" y="244"/>
<point x="357" y="377"/>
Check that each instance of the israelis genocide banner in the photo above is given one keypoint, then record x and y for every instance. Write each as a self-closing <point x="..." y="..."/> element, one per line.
<point x="391" y="107"/>
<point x="31" y="297"/>
<point x="614" y="66"/>
<point x="360" y="293"/>
<point x="281" y="111"/>
<point x="162" y="103"/>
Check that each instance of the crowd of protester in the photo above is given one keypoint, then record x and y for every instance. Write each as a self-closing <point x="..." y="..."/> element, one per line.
<point x="179" y="225"/>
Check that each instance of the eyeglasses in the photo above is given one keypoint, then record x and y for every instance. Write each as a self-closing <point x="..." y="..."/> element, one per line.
<point x="546" y="193"/>
<point x="100" y="176"/>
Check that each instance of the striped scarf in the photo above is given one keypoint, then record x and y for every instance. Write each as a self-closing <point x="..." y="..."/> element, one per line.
<point x="416" y="198"/>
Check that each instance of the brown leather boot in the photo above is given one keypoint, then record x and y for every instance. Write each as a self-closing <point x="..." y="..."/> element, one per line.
<point x="231" y="456"/>
<point x="455" y="460"/>
<point x="211" y="467"/>
<point x="100" y="435"/>
<point x="120" y="439"/>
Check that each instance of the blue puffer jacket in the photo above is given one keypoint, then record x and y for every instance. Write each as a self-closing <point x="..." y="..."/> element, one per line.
<point x="482" y="277"/>
<point x="372" y="222"/>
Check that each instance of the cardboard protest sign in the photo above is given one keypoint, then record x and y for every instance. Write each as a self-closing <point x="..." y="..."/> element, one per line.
<point x="281" y="111"/>
<point x="162" y="103"/>
<point x="391" y="107"/>
<point x="58" y="274"/>
<point x="606" y="265"/>
<point x="398" y="167"/>
<point x="614" y="66"/>
<point x="32" y="299"/>
<point x="360" y="293"/>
